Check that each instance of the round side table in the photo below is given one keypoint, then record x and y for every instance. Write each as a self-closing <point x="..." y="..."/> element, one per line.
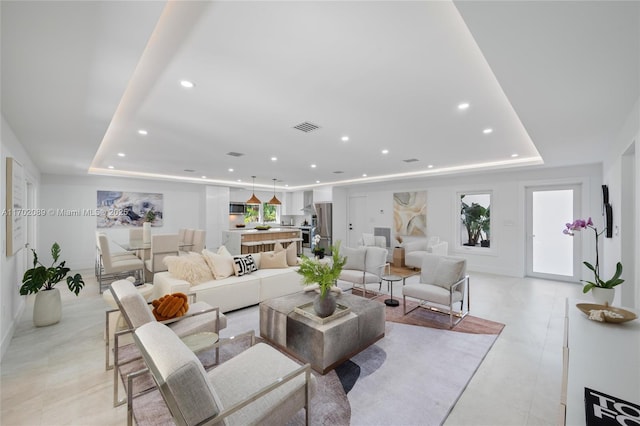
<point x="390" y="279"/>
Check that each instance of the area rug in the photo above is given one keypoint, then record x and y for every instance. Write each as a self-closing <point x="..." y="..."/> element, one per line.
<point x="330" y="405"/>
<point x="427" y="318"/>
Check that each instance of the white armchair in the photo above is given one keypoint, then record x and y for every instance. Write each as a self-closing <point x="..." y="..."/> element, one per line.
<point x="416" y="248"/>
<point x="370" y="240"/>
<point x="443" y="283"/>
<point x="364" y="265"/>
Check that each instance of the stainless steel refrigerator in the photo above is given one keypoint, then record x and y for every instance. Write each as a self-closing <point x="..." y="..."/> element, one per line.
<point x="324" y="226"/>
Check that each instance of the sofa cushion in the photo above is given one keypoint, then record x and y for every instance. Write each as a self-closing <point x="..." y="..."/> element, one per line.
<point x="191" y="267"/>
<point x="355" y="257"/>
<point x="292" y="253"/>
<point x="273" y="260"/>
<point x="221" y="265"/>
<point x="244" y="265"/>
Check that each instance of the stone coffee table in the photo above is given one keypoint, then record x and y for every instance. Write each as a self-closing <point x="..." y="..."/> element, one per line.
<point x="324" y="346"/>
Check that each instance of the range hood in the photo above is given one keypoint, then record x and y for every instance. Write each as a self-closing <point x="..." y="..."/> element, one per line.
<point x="307" y="197"/>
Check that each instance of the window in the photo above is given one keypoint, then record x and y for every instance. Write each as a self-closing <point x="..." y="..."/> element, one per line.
<point x="269" y="213"/>
<point x="252" y="214"/>
<point x="475" y="219"/>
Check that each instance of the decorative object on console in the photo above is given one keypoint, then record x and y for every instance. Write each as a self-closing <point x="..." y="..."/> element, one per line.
<point x="598" y="283"/>
<point x="274" y="201"/>
<point x="253" y="199"/>
<point x="410" y="213"/>
<point x="325" y="275"/>
<point x="41" y="280"/>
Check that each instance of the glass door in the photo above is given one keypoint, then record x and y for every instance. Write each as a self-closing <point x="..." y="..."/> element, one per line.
<point x="550" y="253"/>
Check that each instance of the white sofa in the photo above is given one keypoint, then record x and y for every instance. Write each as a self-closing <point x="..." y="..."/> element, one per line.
<point x="416" y="247"/>
<point x="234" y="292"/>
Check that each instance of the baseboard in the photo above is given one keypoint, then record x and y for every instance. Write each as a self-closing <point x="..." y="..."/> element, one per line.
<point x="6" y="339"/>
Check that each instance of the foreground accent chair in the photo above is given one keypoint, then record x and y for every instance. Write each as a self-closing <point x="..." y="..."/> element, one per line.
<point x="112" y="267"/>
<point x="415" y="249"/>
<point x="443" y="283"/>
<point x="200" y="317"/>
<point x="257" y="386"/>
<point x="364" y="265"/>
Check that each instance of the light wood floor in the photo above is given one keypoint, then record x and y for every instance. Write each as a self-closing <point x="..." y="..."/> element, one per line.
<point x="55" y="375"/>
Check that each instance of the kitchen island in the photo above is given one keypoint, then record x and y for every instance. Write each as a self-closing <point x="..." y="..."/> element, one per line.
<point x="242" y="241"/>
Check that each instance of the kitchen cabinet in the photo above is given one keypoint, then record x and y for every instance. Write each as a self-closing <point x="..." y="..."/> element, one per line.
<point x="295" y="203"/>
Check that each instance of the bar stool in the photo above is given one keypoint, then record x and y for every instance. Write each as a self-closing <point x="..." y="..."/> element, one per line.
<point x="268" y="245"/>
<point x="250" y="246"/>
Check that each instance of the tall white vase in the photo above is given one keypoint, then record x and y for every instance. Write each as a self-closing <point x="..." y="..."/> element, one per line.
<point x="603" y="296"/>
<point x="146" y="232"/>
<point x="47" y="308"/>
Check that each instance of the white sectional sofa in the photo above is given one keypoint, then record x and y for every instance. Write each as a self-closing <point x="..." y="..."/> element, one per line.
<point x="416" y="247"/>
<point x="234" y="292"/>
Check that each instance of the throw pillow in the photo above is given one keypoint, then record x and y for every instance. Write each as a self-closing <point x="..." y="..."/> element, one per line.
<point x="368" y="239"/>
<point x="170" y="306"/>
<point x="222" y="266"/>
<point x="448" y="272"/>
<point x="273" y="260"/>
<point x="244" y="265"/>
<point x="355" y="257"/>
<point x="292" y="253"/>
<point x="191" y="267"/>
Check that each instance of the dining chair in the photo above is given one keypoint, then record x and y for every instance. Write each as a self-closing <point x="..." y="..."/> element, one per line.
<point x="111" y="267"/>
<point x="187" y="242"/>
<point x="198" y="240"/>
<point x="162" y="245"/>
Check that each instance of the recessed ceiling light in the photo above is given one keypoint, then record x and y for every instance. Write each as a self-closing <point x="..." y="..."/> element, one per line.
<point x="203" y="177"/>
<point x="345" y="138"/>
<point x="317" y="181"/>
<point x="274" y="158"/>
<point x="487" y="130"/>
<point x="187" y="84"/>
<point x="364" y="175"/>
<point x="111" y="167"/>
<point x="121" y="154"/>
<point x="230" y="170"/>
<point x="514" y="155"/>
<point x="385" y="151"/>
<point x="463" y="105"/>
<point x="142" y="132"/>
<point x="239" y="180"/>
<point x="313" y="166"/>
<point x="430" y="166"/>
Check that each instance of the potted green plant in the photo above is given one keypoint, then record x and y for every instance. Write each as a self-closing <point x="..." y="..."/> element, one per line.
<point x="317" y="250"/>
<point x="602" y="291"/>
<point x="324" y="274"/>
<point x="41" y="280"/>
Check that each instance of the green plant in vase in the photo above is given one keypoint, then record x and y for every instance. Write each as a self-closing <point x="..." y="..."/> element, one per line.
<point x="324" y="274"/>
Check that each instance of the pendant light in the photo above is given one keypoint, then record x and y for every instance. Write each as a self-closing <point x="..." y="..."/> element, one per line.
<point x="253" y="199"/>
<point x="274" y="201"/>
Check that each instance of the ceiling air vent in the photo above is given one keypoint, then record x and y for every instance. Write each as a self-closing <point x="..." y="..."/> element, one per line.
<point x="338" y="172"/>
<point x="235" y="154"/>
<point x="306" y="127"/>
<point x="189" y="170"/>
<point x="411" y="160"/>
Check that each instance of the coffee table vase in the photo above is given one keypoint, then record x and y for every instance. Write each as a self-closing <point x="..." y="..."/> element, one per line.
<point x="324" y="306"/>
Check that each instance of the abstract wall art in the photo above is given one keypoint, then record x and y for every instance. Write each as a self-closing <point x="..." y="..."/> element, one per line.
<point x="410" y="213"/>
<point x="121" y="209"/>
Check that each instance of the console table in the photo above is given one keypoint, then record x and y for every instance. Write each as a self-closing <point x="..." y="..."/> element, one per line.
<point x="600" y="356"/>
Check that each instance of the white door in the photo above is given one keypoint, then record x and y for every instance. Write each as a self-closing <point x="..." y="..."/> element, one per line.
<point x="357" y="217"/>
<point x="550" y="253"/>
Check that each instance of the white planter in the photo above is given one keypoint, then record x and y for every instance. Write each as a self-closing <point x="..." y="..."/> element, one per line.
<point x="146" y="232"/>
<point x="47" y="309"/>
<point x="603" y="296"/>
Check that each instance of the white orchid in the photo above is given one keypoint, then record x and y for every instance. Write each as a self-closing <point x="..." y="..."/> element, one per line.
<point x="316" y="239"/>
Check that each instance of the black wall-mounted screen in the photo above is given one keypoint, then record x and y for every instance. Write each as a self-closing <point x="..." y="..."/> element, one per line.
<point x="608" y="212"/>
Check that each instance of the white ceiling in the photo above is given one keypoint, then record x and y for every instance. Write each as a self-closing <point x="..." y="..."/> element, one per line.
<point x="554" y="80"/>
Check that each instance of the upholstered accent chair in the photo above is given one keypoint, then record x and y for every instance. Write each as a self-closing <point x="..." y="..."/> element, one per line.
<point x="443" y="284"/>
<point x="371" y="240"/>
<point x="416" y="247"/>
<point x="113" y="266"/>
<point x="364" y="265"/>
<point x="136" y="312"/>
<point x="258" y="386"/>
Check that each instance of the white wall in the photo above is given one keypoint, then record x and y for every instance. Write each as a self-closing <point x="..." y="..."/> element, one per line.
<point x="624" y="153"/>
<point x="507" y="253"/>
<point x="11" y="267"/>
<point x="184" y="207"/>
